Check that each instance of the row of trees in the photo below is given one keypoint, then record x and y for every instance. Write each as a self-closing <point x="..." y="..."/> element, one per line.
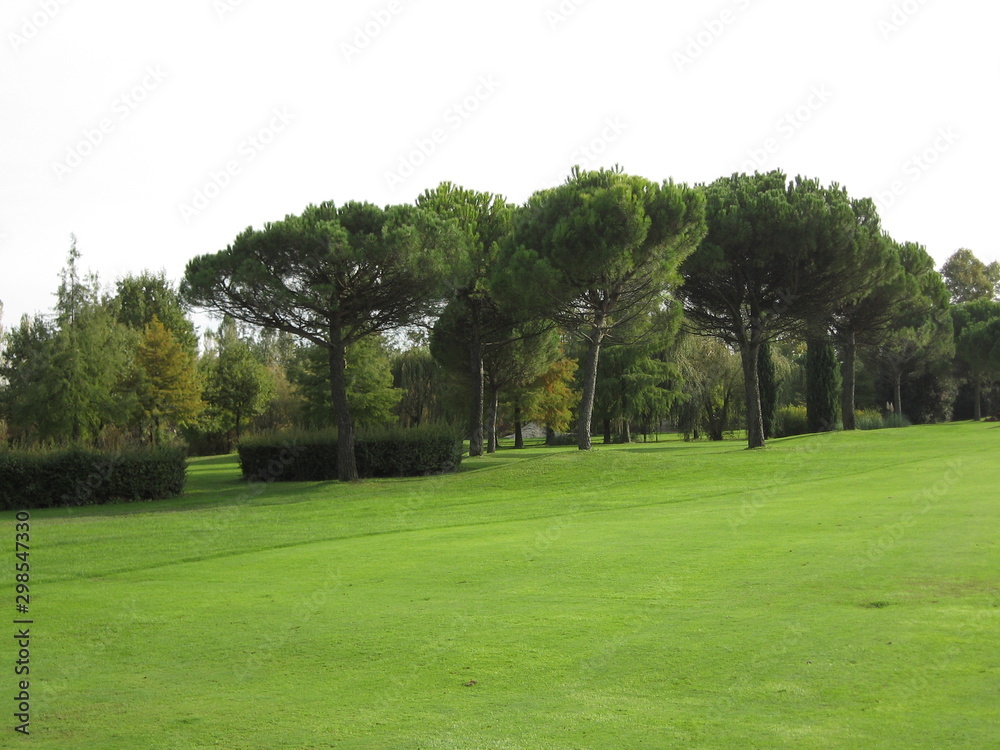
<point x="608" y="300"/>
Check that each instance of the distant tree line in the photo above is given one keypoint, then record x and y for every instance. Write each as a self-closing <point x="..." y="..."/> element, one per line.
<point x="609" y="305"/>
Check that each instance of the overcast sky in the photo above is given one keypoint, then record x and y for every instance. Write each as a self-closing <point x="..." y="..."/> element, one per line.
<point x="157" y="132"/>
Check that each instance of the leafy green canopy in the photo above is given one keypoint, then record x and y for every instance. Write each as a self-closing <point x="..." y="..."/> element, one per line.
<point x="334" y="276"/>
<point x="780" y="256"/>
<point x="596" y="253"/>
<point x="602" y="242"/>
<point x="359" y="267"/>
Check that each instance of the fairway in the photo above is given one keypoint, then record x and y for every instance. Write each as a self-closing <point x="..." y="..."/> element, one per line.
<point x="830" y="591"/>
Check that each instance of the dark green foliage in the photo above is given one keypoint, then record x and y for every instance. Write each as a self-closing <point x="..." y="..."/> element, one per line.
<point x="427" y="394"/>
<point x="790" y="421"/>
<point x="312" y="456"/>
<point x="929" y="398"/>
<point x="768" y="384"/>
<point x="977" y="346"/>
<point x="334" y="276"/>
<point x="778" y="255"/>
<point x="561" y="438"/>
<point x="73" y="477"/>
<point x="141" y="298"/>
<point x="368" y="375"/>
<point x="873" y="420"/>
<point x="822" y="385"/>
<point x="595" y="254"/>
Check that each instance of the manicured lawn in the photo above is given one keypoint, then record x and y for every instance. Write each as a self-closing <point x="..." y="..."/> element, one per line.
<point x="837" y="591"/>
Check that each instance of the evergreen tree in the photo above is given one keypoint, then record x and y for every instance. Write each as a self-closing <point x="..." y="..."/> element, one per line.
<point x="823" y="384"/>
<point x="596" y="253"/>
<point x="767" y="375"/>
<point x="334" y="276"/>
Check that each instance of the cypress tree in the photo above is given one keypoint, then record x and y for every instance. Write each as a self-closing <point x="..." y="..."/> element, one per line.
<point x="766" y="376"/>
<point x="823" y="382"/>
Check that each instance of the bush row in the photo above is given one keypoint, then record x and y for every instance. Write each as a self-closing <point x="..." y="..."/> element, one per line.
<point x="793" y="420"/>
<point x="870" y="419"/>
<point x="310" y="457"/>
<point x="75" y="476"/>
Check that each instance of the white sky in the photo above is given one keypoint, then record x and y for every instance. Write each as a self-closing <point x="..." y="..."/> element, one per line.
<point x="504" y="96"/>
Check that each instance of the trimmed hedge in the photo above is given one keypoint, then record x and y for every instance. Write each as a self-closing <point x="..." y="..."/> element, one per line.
<point x="75" y="476"/>
<point x="312" y="456"/>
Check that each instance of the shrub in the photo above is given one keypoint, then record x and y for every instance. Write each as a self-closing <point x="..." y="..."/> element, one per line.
<point x="562" y="438"/>
<point x="792" y="420"/>
<point x="312" y="456"/>
<point x="75" y="476"/>
<point x="868" y="419"/>
<point x="873" y="420"/>
<point x="896" y="420"/>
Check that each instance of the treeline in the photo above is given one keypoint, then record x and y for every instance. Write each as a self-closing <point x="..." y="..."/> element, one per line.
<point x="610" y="303"/>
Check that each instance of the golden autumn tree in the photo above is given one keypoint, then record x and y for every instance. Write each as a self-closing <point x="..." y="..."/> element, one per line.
<point x="169" y="390"/>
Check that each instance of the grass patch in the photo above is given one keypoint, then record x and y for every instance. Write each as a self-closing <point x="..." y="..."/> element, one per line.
<point x="662" y="595"/>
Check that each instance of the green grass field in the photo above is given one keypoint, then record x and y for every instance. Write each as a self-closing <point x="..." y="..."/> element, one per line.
<point x="835" y="591"/>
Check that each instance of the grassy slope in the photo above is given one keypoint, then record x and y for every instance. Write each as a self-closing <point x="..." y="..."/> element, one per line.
<point x="831" y="591"/>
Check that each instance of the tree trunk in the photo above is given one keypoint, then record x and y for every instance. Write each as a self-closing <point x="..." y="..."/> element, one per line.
<point x="755" y="426"/>
<point x="237" y="425"/>
<point x="518" y="428"/>
<point x="607" y="431"/>
<point x="476" y="370"/>
<point x="550" y="435"/>
<point x="491" y="428"/>
<point x="849" y="380"/>
<point x="347" y="469"/>
<point x="898" y="394"/>
<point x="977" y="414"/>
<point x="589" y="385"/>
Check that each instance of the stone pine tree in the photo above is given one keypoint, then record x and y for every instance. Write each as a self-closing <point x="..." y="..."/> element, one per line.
<point x="597" y="252"/>
<point x="977" y="345"/>
<point x="877" y="300"/>
<point x="485" y="218"/>
<point x="916" y="333"/>
<point x="334" y="275"/>
<point x="778" y="256"/>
